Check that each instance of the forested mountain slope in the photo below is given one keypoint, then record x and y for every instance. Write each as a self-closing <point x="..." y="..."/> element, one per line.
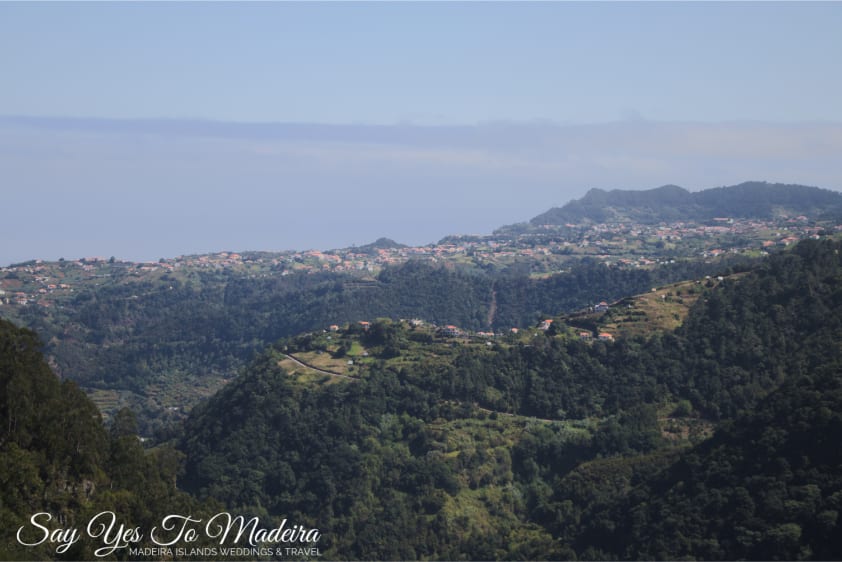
<point x="57" y="457"/>
<point x="768" y="486"/>
<point x="550" y="447"/>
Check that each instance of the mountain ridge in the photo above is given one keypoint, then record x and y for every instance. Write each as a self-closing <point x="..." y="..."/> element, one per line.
<point x="753" y="199"/>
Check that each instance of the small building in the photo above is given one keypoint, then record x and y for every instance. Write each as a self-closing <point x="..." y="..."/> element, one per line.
<point x="333" y="328"/>
<point x="585" y="336"/>
<point x="605" y="336"/>
<point x="546" y="324"/>
<point x="601" y="307"/>
<point x="365" y="325"/>
<point x="450" y="331"/>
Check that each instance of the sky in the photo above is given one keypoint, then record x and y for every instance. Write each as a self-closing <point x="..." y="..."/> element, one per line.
<point x="154" y="129"/>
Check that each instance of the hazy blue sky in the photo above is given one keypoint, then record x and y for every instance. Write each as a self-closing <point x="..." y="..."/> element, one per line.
<point x="144" y="130"/>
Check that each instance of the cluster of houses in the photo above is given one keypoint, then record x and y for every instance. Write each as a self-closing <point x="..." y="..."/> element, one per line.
<point x="34" y="292"/>
<point x="602" y="336"/>
<point x="583" y="335"/>
<point x="622" y="244"/>
<point x="610" y="242"/>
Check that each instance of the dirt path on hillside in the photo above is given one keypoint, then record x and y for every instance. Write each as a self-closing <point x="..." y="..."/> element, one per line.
<point x="321" y="371"/>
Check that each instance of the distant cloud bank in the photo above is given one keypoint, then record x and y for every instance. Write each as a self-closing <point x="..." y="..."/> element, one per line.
<point x="152" y="188"/>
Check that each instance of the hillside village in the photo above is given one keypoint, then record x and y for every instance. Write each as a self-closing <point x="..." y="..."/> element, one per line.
<point x="546" y="249"/>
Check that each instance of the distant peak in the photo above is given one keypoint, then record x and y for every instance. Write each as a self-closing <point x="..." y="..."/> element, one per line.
<point x="671" y="187"/>
<point x="382" y="243"/>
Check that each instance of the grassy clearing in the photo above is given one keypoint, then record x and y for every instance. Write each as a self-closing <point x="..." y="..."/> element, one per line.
<point x="305" y="375"/>
<point x="324" y="361"/>
<point x="662" y="310"/>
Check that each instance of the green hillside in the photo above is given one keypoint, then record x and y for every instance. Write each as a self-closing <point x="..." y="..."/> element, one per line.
<point x="670" y="203"/>
<point x="540" y="445"/>
<point x="57" y="457"/>
<point x="768" y="486"/>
